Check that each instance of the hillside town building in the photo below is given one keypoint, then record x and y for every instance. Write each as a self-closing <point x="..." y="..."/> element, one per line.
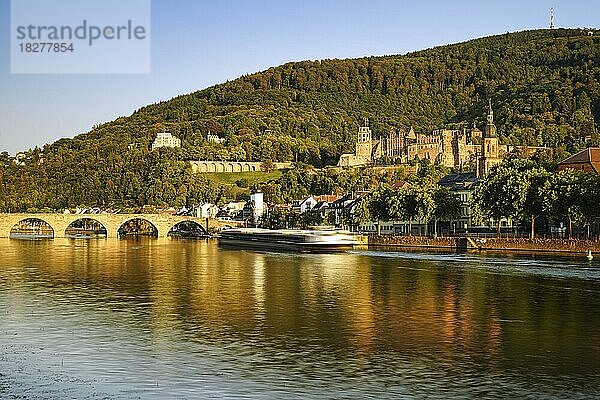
<point x="462" y="185"/>
<point x="587" y="160"/>
<point x="165" y="139"/>
<point x="214" y="138"/>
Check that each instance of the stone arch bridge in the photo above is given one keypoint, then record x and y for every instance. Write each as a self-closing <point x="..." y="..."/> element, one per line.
<point x="111" y="222"/>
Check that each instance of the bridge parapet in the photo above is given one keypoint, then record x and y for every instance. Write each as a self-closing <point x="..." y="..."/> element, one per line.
<point x="112" y="222"/>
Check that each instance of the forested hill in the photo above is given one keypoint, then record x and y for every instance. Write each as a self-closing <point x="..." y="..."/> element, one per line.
<point x="543" y="85"/>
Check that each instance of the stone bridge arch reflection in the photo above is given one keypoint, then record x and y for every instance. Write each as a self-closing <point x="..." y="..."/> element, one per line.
<point x="86" y="228"/>
<point x="138" y="226"/>
<point x="32" y="228"/>
<point x="187" y="229"/>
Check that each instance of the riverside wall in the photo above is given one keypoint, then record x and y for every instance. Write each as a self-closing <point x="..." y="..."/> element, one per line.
<point x="543" y="245"/>
<point x="498" y="244"/>
<point x="415" y="241"/>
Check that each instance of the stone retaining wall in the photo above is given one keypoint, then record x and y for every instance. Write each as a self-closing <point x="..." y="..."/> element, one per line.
<point x="233" y="166"/>
<point x="505" y="244"/>
<point x="523" y="244"/>
<point x="413" y="241"/>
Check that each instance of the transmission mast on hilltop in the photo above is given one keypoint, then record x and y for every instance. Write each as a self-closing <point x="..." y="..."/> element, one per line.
<point x="552" y="18"/>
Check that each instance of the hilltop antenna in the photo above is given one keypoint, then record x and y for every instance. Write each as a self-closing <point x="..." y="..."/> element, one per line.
<point x="552" y="18"/>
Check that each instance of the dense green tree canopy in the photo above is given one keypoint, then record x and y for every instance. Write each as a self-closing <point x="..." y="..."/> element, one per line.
<point x="543" y="85"/>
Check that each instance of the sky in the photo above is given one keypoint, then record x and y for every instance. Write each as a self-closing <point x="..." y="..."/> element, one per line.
<point x="197" y="43"/>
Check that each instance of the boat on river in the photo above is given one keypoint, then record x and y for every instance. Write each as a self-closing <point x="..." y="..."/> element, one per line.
<point x="288" y="239"/>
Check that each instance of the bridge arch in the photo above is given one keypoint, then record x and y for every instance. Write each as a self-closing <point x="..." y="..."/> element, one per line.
<point x="187" y="229"/>
<point x="86" y="227"/>
<point x="58" y="223"/>
<point x="31" y="228"/>
<point x="137" y="226"/>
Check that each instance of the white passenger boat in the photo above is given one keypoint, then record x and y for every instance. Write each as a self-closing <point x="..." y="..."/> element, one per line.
<point x="288" y="239"/>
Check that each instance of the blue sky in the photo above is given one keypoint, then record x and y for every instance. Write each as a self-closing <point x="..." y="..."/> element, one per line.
<point x="196" y="44"/>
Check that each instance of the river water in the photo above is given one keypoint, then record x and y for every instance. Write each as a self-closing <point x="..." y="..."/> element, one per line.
<point x="169" y="319"/>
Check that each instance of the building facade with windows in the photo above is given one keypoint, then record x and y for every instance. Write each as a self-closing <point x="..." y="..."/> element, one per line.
<point x="165" y="139"/>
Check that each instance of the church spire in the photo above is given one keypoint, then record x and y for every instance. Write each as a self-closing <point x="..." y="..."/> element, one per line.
<point x="489" y="146"/>
<point x="490" y="128"/>
<point x="490" y="114"/>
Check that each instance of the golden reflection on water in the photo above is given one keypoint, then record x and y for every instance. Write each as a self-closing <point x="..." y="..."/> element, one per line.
<point x="357" y="304"/>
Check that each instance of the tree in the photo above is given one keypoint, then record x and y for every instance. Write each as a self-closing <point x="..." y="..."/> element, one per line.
<point x="360" y="213"/>
<point x="223" y="155"/>
<point x="308" y="219"/>
<point x="380" y="205"/>
<point x="536" y="193"/>
<point x="275" y="218"/>
<point x="590" y="199"/>
<point x="330" y="219"/>
<point x="447" y="206"/>
<point x="564" y="198"/>
<point x="267" y="166"/>
<point x="406" y="205"/>
<point x="425" y="205"/>
<point x="503" y="193"/>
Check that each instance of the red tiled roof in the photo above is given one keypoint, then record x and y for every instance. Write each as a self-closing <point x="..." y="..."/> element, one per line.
<point x="329" y="198"/>
<point x="591" y="156"/>
<point x="398" y="185"/>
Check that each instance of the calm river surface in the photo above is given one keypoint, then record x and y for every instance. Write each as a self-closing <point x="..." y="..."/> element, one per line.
<point x="168" y="319"/>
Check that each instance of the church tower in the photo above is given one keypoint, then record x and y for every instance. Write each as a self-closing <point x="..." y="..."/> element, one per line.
<point x="364" y="141"/>
<point x="489" y="146"/>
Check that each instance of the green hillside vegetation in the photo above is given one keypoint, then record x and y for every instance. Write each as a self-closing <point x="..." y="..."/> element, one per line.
<point x="244" y="179"/>
<point x="241" y="184"/>
<point x="543" y="85"/>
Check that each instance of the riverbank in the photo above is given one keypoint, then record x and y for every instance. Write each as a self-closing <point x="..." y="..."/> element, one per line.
<point x="494" y="244"/>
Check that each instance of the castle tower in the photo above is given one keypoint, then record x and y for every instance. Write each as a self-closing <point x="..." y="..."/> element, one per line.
<point x="364" y="141"/>
<point x="489" y="146"/>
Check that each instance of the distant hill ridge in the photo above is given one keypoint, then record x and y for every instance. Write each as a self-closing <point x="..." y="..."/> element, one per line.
<point x="544" y="87"/>
<point x="543" y="84"/>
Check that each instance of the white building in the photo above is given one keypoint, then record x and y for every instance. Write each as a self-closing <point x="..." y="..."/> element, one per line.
<point x="231" y="210"/>
<point x="165" y="139"/>
<point x="207" y="210"/>
<point x="302" y="206"/>
<point x="211" y="137"/>
<point x="259" y="206"/>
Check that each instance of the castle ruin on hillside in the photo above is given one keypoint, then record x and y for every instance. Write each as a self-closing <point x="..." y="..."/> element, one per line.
<point x="451" y="148"/>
